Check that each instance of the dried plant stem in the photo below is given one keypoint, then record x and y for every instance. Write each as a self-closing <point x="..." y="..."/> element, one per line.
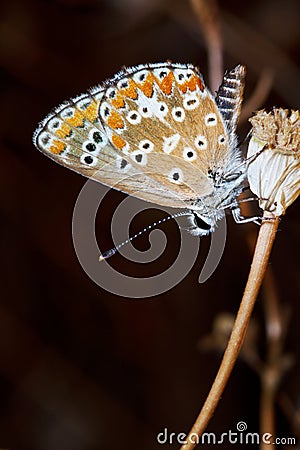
<point x="208" y="17"/>
<point x="260" y="260"/>
<point x="259" y="94"/>
<point x="270" y="374"/>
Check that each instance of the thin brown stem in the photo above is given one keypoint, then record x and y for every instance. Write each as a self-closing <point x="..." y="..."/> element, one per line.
<point x="260" y="260"/>
<point x="208" y="17"/>
<point x="276" y="361"/>
<point x="259" y="94"/>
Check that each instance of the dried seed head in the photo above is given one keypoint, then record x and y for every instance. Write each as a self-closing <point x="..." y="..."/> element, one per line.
<point x="274" y="173"/>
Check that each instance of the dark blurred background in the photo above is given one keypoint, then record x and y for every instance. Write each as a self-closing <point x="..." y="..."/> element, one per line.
<point x="81" y="368"/>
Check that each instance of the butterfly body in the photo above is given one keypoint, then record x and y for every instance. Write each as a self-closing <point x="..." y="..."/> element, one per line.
<point x="155" y="132"/>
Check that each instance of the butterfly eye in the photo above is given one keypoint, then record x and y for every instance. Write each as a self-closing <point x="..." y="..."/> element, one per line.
<point x="189" y="154"/>
<point x="201" y="142"/>
<point x="210" y="119"/>
<point x="178" y="114"/>
<point x="200" y="223"/>
<point x="176" y="176"/>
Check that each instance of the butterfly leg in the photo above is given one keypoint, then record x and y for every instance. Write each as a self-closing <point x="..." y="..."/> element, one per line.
<point x="236" y="213"/>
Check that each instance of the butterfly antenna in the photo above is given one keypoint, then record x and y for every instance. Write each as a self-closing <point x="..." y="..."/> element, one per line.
<point x="242" y="142"/>
<point x="115" y="249"/>
<point x="245" y="161"/>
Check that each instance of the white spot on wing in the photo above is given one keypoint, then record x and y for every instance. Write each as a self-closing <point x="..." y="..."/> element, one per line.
<point x="88" y="160"/>
<point x="94" y="134"/>
<point x="161" y="73"/>
<point x="201" y="142"/>
<point x="44" y="140"/>
<point x="105" y="110"/>
<point x="189" y="154"/>
<point x="161" y="109"/>
<point x="175" y="175"/>
<point x="221" y="139"/>
<point x="178" y="114"/>
<point x="123" y="83"/>
<point x="140" y="76"/>
<point x="170" y="143"/>
<point x="134" y="117"/>
<point x="67" y="113"/>
<point x="123" y="164"/>
<point x="191" y="101"/>
<point x="145" y="109"/>
<point x="146" y="146"/>
<point x="139" y="157"/>
<point x="210" y="119"/>
<point x="54" y="124"/>
<point x="83" y="104"/>
<point x="180" y="75"/>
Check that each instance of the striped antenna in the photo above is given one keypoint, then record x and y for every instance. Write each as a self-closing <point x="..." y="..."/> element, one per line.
<point x="115" y="249"/>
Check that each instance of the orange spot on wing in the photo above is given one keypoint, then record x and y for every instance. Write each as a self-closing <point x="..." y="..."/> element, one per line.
<point x="147" y="86"/>
<point x="191" y="84"/>
<point x="130" y="91"/>
<point x="115" y="120"/>
<point x="183" y="87"/>
<point x="118" y="102"/>
<point x="76" y="120"/>
<point x="63" y="131"/>
<point x="166" y="84"/>
<point x="91" y="112"/>
<point x="57" y="147"/>
<point x="195" y="81"/>
<point x="118" y="141"/>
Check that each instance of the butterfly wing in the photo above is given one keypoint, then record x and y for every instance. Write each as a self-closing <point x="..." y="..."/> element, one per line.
<point x="153" y="131"/>
<point x="73" y="136"/>
<point x="163" y="118"/>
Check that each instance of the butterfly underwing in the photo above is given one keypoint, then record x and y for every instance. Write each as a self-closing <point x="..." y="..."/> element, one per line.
<point x="155" y="132"/>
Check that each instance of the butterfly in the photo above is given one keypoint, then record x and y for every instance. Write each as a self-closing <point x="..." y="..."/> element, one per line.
<point x="156" y="132"/>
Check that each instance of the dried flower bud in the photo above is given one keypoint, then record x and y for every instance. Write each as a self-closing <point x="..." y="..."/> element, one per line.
<point x="274" y="174"/>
